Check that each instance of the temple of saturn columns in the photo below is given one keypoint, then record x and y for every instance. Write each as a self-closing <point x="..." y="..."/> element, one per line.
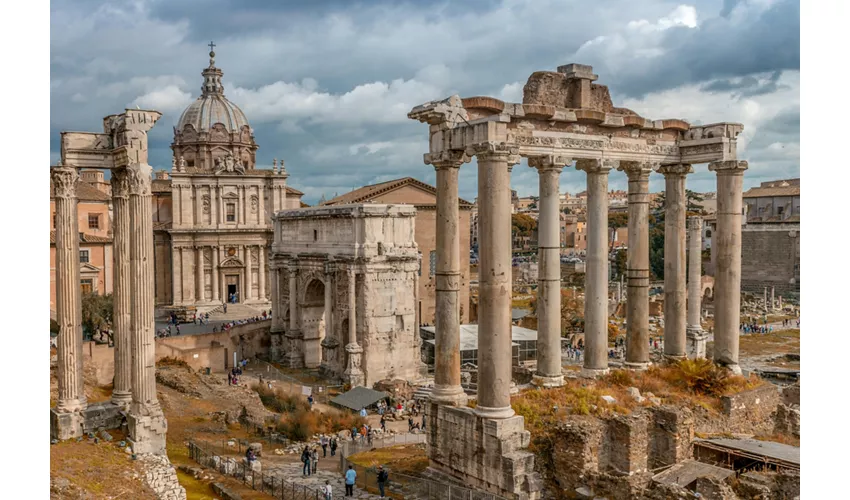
<point x="344" y="281"/>
<point x="123" y="149"/>
<point x="564" y="117"/>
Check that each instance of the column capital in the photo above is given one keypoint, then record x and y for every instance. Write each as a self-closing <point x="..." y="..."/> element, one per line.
<point x="139" y="179"/>
<point x="596" y="166"/>
<point x="549" y="162"/>
<point x="500" y="151"/>
<point x="351" y="271"/>
<point x="451" y="158"/>
<point x="675" y="169"/>
<point x="292" y="266"/>
<point x="120" y="183"/>
<point x="729" y="167"/>
<point x="330" y="267"/>
<point x="694" y="222"/>
<point x="638" y="170"/>
<point x="64" y="181"/>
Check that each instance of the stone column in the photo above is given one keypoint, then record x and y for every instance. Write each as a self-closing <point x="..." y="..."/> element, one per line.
<point x="726" y="242"/>
<point x="772" y="298"/>
<point x="199" y="274"/>
<point x="214" y="273"/>
<point x="277" y="306"/>
<point x="294" y="355"/>
<point x="353" y="373"/>
<point x="549" y="371"/>
<point x="494" y="319"/>
<point x="675" y="276"/>
<point x="249" y="275"/>
<point x="596" y="272"/>
<point x="696" y="339"/>
<point x="328" y="300"/>
<point x="121" y="390"/>
<point x="447" y="388"/>
<point x="69" y="343"/>
<point x="261" y="275"/>
<point x="780" y="302"/>
<point x="146" y="421"/>
<point x="176" y="274"/>
<point x="637" y="267"/>
<point x="764" y="301"/>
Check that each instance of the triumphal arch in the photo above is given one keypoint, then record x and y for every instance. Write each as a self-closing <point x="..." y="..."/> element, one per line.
<point x="564" y="118"/>
<point x="344" y="281"/>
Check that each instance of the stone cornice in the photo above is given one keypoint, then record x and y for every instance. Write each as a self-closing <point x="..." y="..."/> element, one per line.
<point x="596" y="166"/>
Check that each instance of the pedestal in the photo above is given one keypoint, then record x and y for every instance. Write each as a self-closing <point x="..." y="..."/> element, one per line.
<point x="696" y="341"/>
<point x="147" y="432"/>
<point x="353" y="375"/>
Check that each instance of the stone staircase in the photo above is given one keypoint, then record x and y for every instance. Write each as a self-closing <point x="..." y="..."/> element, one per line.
<point x="234" y="312"/>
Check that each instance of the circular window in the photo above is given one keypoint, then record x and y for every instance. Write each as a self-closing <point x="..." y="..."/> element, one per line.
<point x="231" y="251"/>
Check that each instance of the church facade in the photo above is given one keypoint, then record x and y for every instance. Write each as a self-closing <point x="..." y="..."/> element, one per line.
<point x="213" y="216"/>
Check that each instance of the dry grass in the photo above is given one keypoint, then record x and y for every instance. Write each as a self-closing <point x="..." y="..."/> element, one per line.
<point x="403" y="459"/>
<point x="778" y="437"/>
<point x="778" y="342"/>
<point x="168" y="361"/>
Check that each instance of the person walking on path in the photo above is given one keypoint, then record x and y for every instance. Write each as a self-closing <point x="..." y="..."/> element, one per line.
<point x="382" y="479"/>
<point x="383" y="424"/>
<point x="315" y="458"/>
<point x="328" y="491"/>
<point x="333" y="446"/>
<point x="350" y="477"/>
<point x="324" y="443"/>
<point x="305" y="459"/>
<point x="363" y="412"/>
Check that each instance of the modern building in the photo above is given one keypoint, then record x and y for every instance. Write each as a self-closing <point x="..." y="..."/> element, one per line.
<point x="423" y="196"/>
<point x="523" y="344"/>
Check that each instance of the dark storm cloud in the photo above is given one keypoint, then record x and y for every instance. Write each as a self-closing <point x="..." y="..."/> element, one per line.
<point x="748" y="86"/>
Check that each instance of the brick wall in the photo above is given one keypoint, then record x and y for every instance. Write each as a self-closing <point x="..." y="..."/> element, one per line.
<point x="770" y="257"/>
<point x="751" y="411"/>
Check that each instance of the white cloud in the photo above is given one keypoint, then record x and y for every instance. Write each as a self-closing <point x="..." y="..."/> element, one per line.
<point x="169" y="99"/>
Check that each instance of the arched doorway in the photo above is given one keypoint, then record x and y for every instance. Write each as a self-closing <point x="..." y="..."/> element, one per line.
<point x="312" y="315"/>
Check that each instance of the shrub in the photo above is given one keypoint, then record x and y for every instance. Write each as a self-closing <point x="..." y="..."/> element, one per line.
<point x="620" y="377"/>
<point x="169" y="361"/>
<point x="302" y="424"/>
<point x="702" y="376"/>
<point x="279" y="402"/>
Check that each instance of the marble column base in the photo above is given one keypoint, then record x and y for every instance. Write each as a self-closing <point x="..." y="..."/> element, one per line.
<point x="147" y="433"/>
<point x="66" y="425"/>
<point x="674" y="358"/>
<point x="547" y="380"/>
<point x="452" y="395"/>
<point x="94" y="417"/>
<point x="353" y="375"/>
<point x="593" y="372"/>
<point x="494" y="413"/>
<point x="695" y="342"/>
<point x="637" y="366"/>
<point x="735" y="369"/>
<point x="122" y="398"/>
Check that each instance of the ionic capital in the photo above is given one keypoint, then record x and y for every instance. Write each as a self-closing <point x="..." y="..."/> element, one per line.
<point x="120" y="183"/>
<point x="495" y="151"/>
<point x="447" y="159"/>
<point x="139" y="179"/>
<point x="675" y="169"/>
<point x="64" y="181"/>
<point x="728" y="167"/>
<point x="596" y="166"/>
<point x="638" y="170"/>
<point x="549" y="162"/>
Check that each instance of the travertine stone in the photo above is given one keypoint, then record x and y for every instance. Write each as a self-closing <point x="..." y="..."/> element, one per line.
<point x="353" y="372"/>
<point x="549" y="371"/>
<point x="696" y="338"/>
<point x="447" y="388"/>
<point x="726" y="241"/>
<point x="494" y="341"/>
<point x="69" y="343"/>
<point x="596" y="276"/>
<point x="294" y="335"/>
<point x="261" y="274"/>
<point x="121" y="391"/>
<point x="637" y="302"/>
<point x="146" y="421"/>
<point x="675" y="288"/>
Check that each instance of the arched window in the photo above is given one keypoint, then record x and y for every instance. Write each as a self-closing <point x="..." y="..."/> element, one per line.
<point x="708" y="233"/>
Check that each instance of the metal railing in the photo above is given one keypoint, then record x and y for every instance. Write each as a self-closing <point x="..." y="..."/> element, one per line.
<point x="262" y="368"/>
<point x="261" y="481"/>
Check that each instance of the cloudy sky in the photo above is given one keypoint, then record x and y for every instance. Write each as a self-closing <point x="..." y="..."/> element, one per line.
<point x="327" y="85"/>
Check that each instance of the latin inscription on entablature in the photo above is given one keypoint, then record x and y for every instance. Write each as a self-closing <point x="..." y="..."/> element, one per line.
<point x="597" y="144"/>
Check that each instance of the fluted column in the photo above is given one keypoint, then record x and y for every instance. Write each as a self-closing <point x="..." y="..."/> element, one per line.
<point x="549" y="370"/>
<point x="675" y="288"/>
<point x="69" y="343"/>
<point x="277" y="306"/>
<point x="293" y="294"/>
<point x="726" y="242"/>
<point x="447" y="388"/>
<point x="199" y="274"/>
<point x="695" y="336"/>
<point x="495" y="162"/>
<point x="772" y="298"/>
<point x="214" y="273"/>
<point x="122" y="387"/>
<point x="353" y="372"/>
<point x="146" y="423"/>
<point x="249" y="275"/>
<point x="329" y="270"/>
<point x="637" y="292"/>
<point x="261" y="275"/>
<point x="596" y="274"/>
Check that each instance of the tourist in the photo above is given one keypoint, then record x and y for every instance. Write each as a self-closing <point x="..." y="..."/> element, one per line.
<point x="383" y="423"/>
<point x="177" y="327"/>
<point x="305" y="459"/>
<point x="354" y="433"/>
<point x="382" y="479"/>
<point x="363" y="434"/>
<point x="350" y="477"/>
<point x="310" y="400"/>
<point x="225" y="307"/>
<point x="363" y="412"/>
<point x="409" y="424"/>
<point x="423" y="423"/>
<point x="324" y="442"/>
<point x="249" y="456"/>
<point x="327" y="490"/>
<point x="369" y="436"/>
<point x="314" y="456"/>
<point x="333" y="446"/>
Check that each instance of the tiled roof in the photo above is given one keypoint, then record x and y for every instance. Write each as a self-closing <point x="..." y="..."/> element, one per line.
<point x="292" y="190"/>
<point x="762" y="192"/>
<point x="85" y="192"/>
<point x="85" y="238"/>
<point x="367" y="193"/>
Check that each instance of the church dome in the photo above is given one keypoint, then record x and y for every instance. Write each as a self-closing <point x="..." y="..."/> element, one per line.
<point x="212" y="107"/>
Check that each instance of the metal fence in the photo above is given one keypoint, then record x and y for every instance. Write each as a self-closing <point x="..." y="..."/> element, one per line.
<point x="260" y="481"/>
<point x="265" y="370"/>
<point x="349" y="447"/>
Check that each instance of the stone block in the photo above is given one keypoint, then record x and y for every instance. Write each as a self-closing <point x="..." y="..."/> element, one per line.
<point x="147" y="433"/>
<point x="626" y="439"/>
<point x="66" y="425"/>
<point x="752" y="410"/>
<point x="670" y="436"/>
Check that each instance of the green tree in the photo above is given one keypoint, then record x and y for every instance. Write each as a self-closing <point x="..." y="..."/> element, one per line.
<point x="523" y="225"/>
<point x="694" y="201"/>
<point x="97" y="312"/>
<point x="618" y="219"/>
<point x="620" y="262"/>
<point x="656" y="245"/>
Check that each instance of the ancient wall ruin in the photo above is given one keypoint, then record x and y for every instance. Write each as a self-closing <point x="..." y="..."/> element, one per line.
<point x="770" y="257"/>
